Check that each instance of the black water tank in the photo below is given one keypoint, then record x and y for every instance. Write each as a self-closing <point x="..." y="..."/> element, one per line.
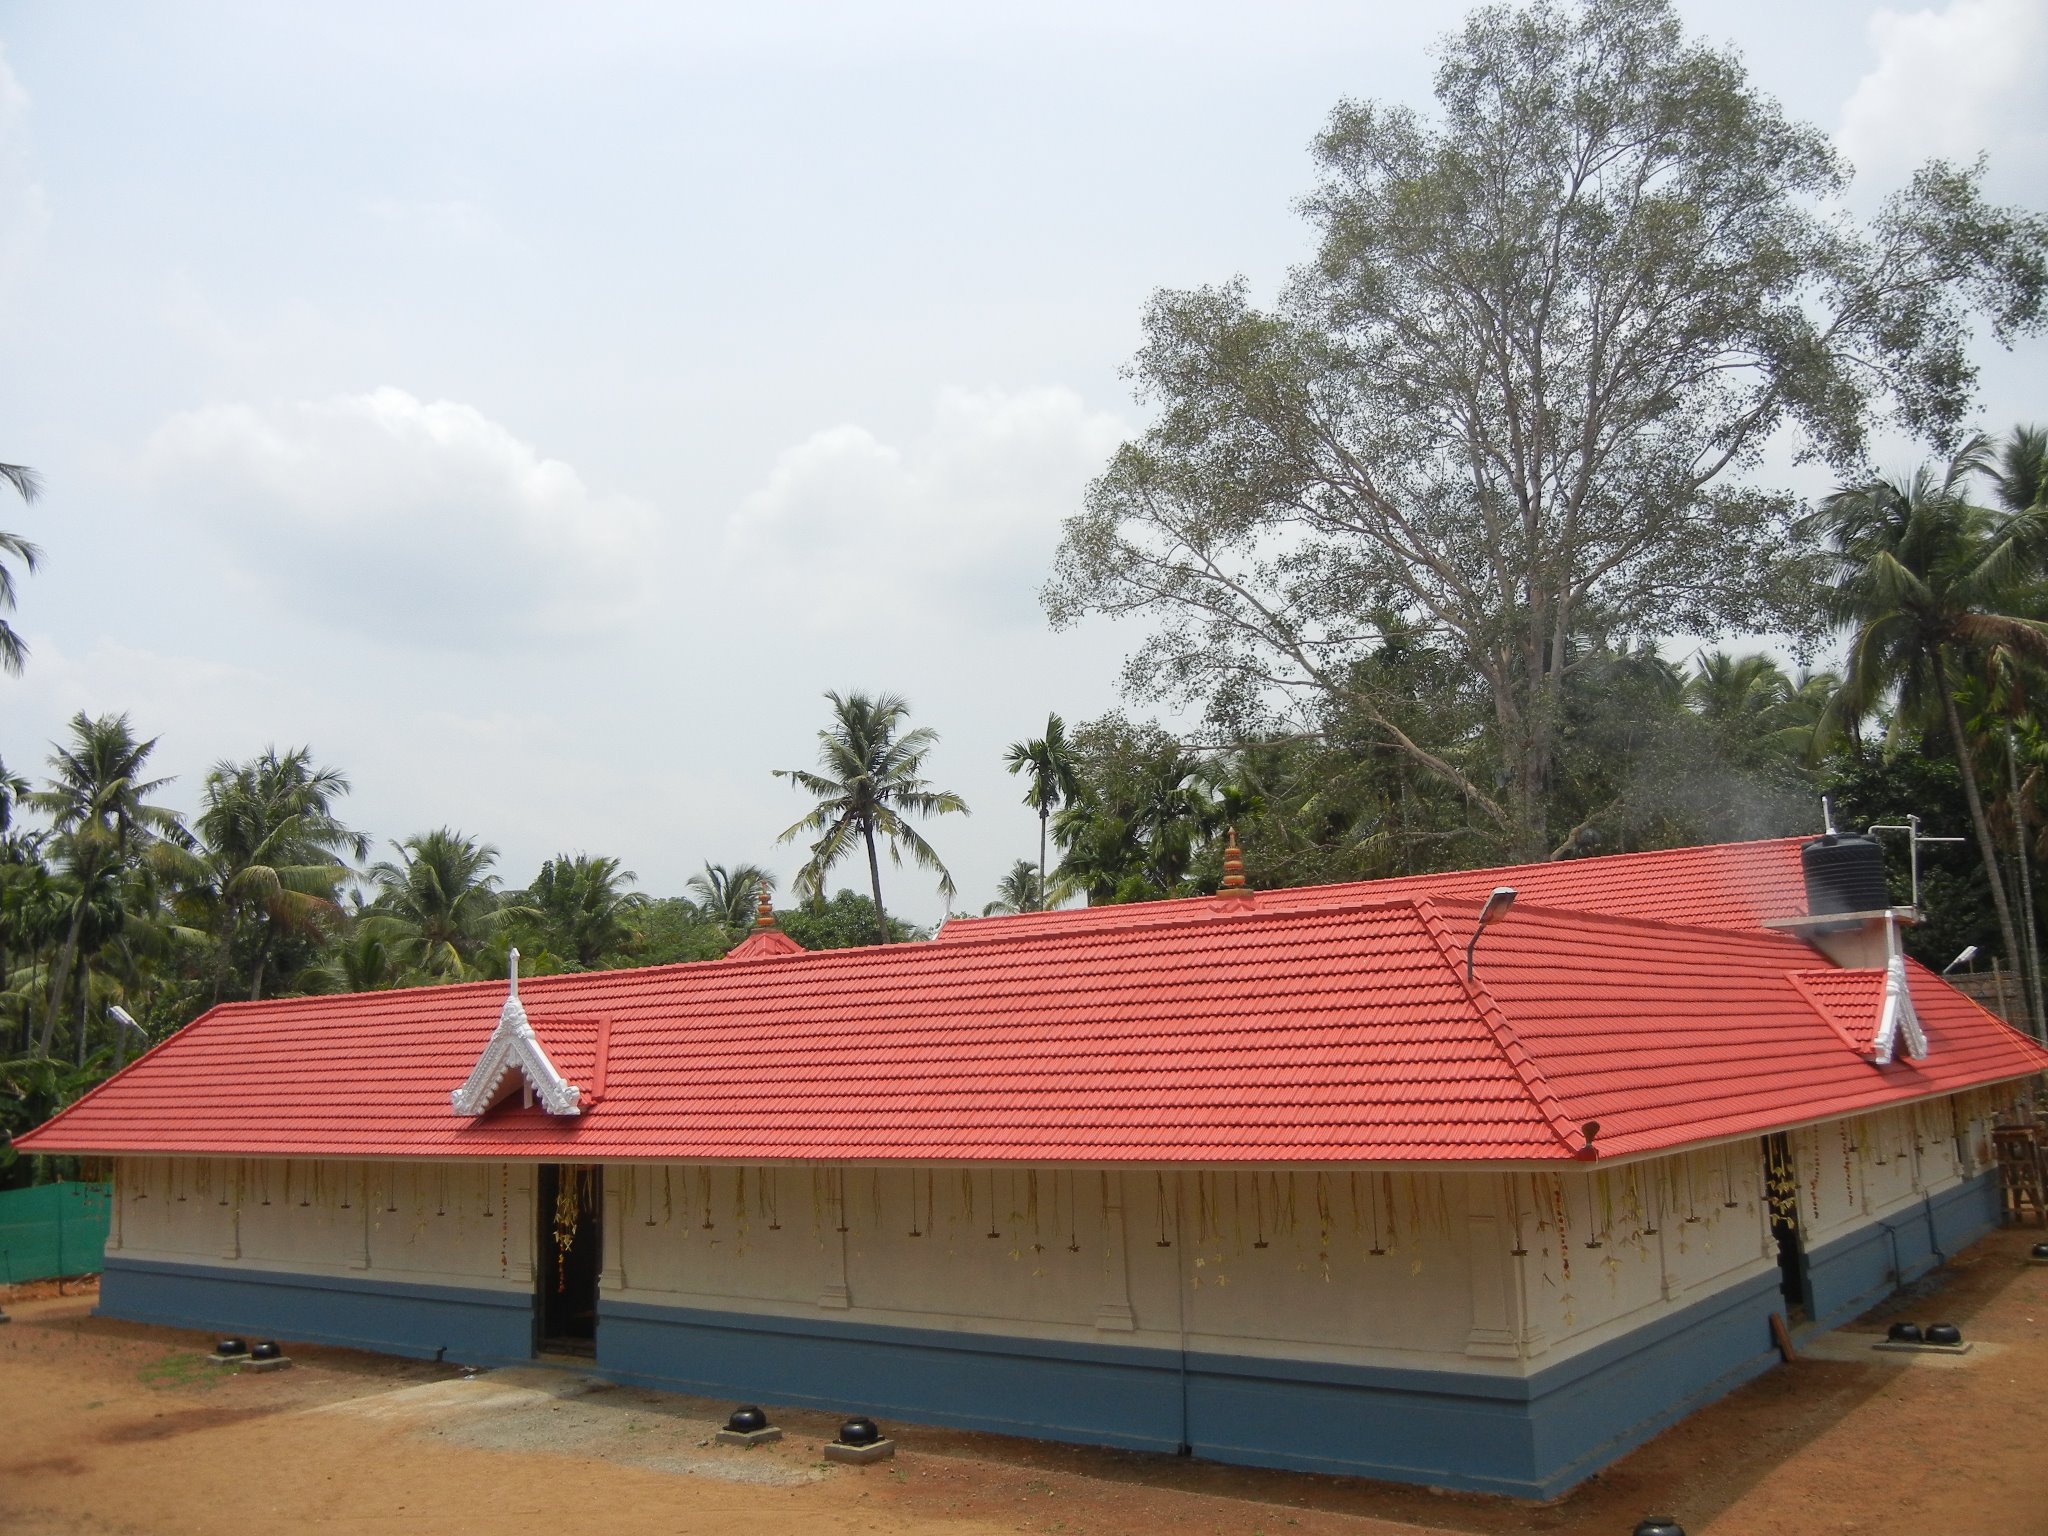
<point x="1844" y="873"/>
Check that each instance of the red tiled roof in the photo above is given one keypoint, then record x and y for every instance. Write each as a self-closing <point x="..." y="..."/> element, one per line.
<point x="1849" y="1000"/>
<point x="1316" y="1031"/>
<point x="1728" y="885"/>
<point x="1668" y="1035"/>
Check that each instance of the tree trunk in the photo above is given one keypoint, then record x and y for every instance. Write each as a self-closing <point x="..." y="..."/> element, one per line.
<point x="65" y="957"/>
<point x="262" y="960"/>
<point x="875" y="880"/>
<point x="1042" y="814"/>
<point x="1985" y="846"/>
<point x="2019" y="850"/>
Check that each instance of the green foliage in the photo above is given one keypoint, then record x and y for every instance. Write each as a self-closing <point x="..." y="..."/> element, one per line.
<point x="270" y="861"/>
<point x="847" y="921"/>
<point x="670" y="929"/>
<point x="32" y="1089"/>
<point x="438" y="904"/>
<point x="576" y="908"/>
<point x="1143" y="813"/>
<point x="1933" y="589"/>
<point x="731" y="896"/>
<point x="13" y="649"/>
<point x="1018" y="891"/>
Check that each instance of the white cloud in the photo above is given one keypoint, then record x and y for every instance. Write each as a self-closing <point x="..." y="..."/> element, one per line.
<point x="24" y="210"/>
<point x="958" y="524"/>
<point x="427" y="520"/>
<point x="1950" y="83"/>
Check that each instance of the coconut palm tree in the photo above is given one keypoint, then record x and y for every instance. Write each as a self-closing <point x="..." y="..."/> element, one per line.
<point x="14" y="790"/>
<point x="1927" y="585"/>
<point x="98" y="805"/>
<point x="360" y="960"/>
<point x="272" y="850"/>
<point x="438" y="903"/>
<point x="13" y="650"/>
<point x="2019" y="470"/>
<point x="1055" y="777"/>
<point x="1018" y="891"/>
<point x="581" y="906"/>
<point x="869" y="783"/>
<point x="730" y="897"/>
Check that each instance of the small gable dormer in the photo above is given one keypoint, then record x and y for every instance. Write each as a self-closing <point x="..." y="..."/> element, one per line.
<point x="513" y="1046"/>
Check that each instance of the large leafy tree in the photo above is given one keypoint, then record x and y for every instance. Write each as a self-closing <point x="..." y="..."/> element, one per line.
<point x="1924" y="588"/>
<point x="98" y="802"/>
<point x="1053" y="778"/>
<point x="1517" y="396"/>
<point x="13" y="650"/>
<point x="272" y="853"/>
<point x="869" y="782"/>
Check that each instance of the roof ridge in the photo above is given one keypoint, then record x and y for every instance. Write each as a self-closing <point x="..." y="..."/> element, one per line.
<point x="1279" y="896"/>
<point x="1532" y="1077"/>
<point x="1185" y="915"/>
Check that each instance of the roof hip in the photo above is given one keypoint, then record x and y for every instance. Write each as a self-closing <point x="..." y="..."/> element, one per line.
<point x="1562" y="1123"/>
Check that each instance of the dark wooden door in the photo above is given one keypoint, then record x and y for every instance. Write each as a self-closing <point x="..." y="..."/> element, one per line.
<point x="570" y="1242"/>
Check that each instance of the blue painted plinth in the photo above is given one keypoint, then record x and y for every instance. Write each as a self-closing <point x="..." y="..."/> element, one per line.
<point x="1853" y="1273"/>
<point x="375" y="1312"/>
<point x="1532" y="1436"/>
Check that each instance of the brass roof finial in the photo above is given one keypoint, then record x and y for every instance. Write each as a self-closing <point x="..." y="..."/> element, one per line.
<point x="1233" y="868"/>
<point x="764" y="910"/>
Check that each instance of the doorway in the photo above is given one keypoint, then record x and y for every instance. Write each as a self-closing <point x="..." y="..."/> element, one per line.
<point x="1781" y="1193"/>
<point x="569" y="1207"/>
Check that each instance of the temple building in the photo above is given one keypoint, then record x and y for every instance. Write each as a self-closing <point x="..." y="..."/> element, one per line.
<point x="1474" y="1180"/>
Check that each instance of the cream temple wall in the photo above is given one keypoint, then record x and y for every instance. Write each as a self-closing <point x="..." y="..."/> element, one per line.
<point x="1487" y="1272"/>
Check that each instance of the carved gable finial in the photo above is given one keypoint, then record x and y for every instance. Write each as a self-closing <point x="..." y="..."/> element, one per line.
<point x="764" y="909"/>
<point x="1897" y="1022"/>
<point x="514" y="1044"/>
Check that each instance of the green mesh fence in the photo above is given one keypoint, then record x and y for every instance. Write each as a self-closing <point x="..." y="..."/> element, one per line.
<point x="51" y="1230"/>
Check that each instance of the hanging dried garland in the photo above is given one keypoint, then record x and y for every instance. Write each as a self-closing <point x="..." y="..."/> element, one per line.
<point x="576" y="1192"/>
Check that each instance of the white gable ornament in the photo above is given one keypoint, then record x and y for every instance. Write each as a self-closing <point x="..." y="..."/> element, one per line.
<point x="1896" y="1019"/>
<point x="514" y="1044"/>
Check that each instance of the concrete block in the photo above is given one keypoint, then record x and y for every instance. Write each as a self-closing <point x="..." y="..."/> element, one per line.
<point x="278" y="1364"/>
<point x="1923" y="1348"/>
<point x="748" y="1437"/>
<point x="860" y="1455"/>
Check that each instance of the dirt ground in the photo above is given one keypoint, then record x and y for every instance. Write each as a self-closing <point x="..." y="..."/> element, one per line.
<point x="110" y="1429"/>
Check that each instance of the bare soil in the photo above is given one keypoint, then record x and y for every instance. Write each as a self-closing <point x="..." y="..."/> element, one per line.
<point x="111" y="1428"/>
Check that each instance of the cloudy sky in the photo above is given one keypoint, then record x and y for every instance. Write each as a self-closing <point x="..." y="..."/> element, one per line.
<point x="536" y="408"/>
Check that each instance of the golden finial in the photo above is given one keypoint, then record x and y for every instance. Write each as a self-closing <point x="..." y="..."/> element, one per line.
<point x="764" y="910"/>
